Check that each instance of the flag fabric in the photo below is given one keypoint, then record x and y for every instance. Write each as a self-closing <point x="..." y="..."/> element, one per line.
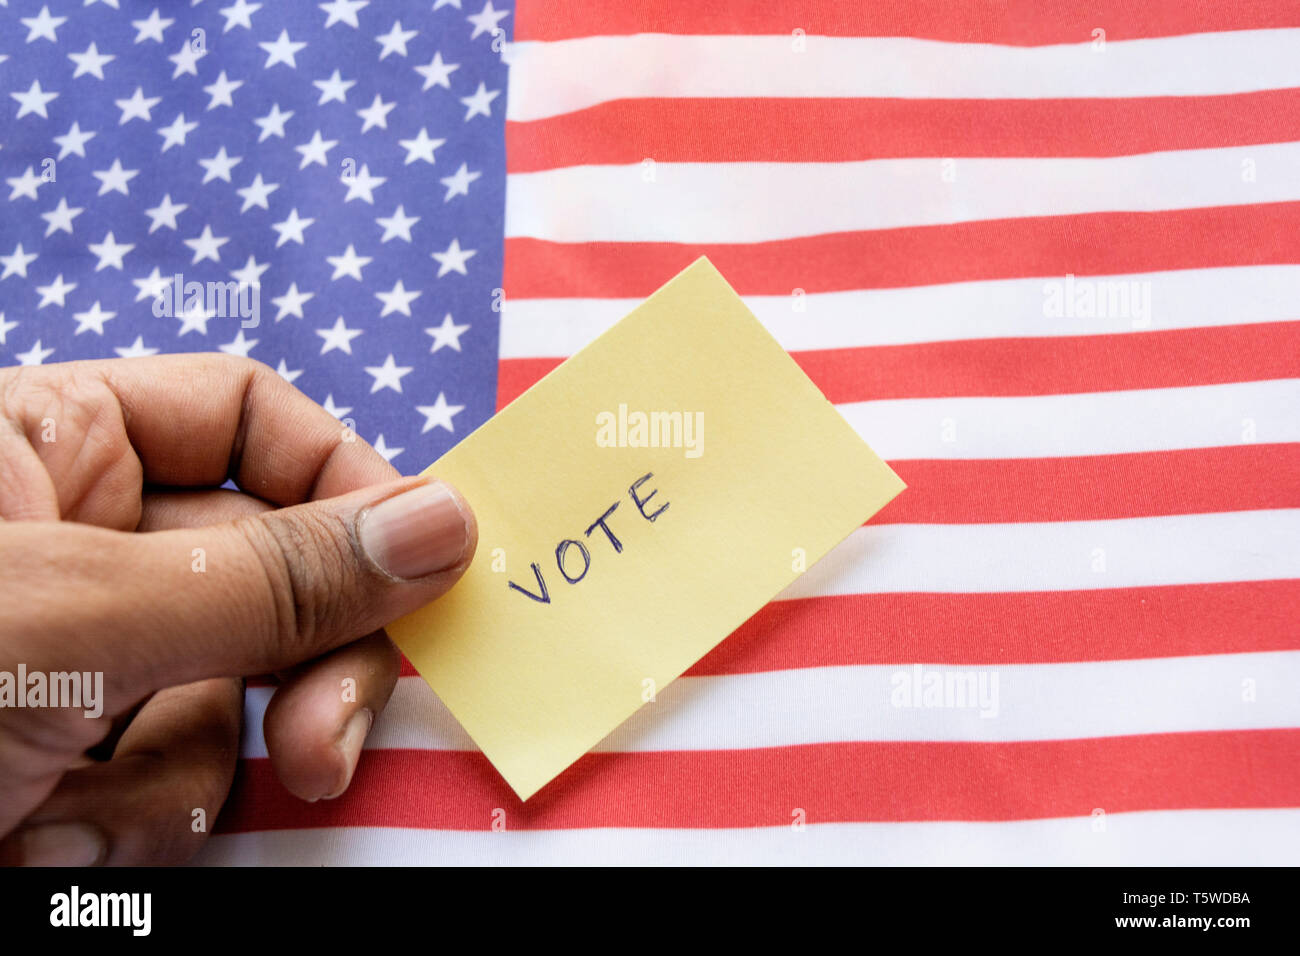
<point x="342" y="160"/>
<point x="1045" y="259"/>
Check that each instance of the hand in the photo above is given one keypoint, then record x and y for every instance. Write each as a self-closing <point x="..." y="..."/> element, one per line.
<point x="322" y="546"/>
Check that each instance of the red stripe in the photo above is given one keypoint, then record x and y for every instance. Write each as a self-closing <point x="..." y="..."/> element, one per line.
<point x="1087" y="244"/>
<point x="848" y="129"/>
<point x="516" y="376"/>
<point x="884" y="781"/>
<point x="1011" y="22"/>
<point x="1097" y="487"/>
<point x="1050" y="365"/>
<point x="1043" y="627"/>
<point x="1058" y="365"/>
<point x="1040" y="627"/>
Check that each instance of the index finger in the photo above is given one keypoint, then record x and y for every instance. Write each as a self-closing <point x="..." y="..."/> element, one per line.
<point x="200" y="419"/>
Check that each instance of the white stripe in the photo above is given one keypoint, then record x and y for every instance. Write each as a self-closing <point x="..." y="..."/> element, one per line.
<point x="1091" y="423"/>
<point x="1001" y="308"/>
<point x="764" y="202"/>
<point x="1150" y="838"/>
<point x="1060" y="555"/>
<point x="876" y="703"/>
<point x="549" y="78"/>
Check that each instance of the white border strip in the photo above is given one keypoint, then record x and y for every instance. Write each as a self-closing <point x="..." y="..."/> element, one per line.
<point x="550" y="78"/>
<point x="1000" y="308"/>
<point x="767" y="202"/>
<point x="1152" y="838"/>
<point x="901" y="702"/>
<point x="1090" y="423"/>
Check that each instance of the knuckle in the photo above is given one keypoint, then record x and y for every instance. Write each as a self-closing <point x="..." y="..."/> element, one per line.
<point x="174" y="817"/>
<point x="311" y="571"/>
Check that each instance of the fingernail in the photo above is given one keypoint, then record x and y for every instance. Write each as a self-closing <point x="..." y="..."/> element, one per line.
<point x="415" y="533"/>
<point x="350" y="743"/>
<point x="61" y="844"/>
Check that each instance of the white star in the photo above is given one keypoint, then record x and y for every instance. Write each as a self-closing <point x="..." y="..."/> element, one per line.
<point x="221" y="91"/>
<point x="73" y="141"/>
<point x="272" y="124"/>
<point x="439" y="4"/>
<point x="486" y="20"/>
<point x="115" y="178"/>
<point x="7" y="327"/>
<point x="480" y="104"/>
<point x="152" y="286"/>
<point x="315" y="150"/>
<point x="240" y="346"/>
<point x="458" y="183"/>
<point x="281" y="51"/>
<point x="395" y="40"/>
<point x="421" y="147"/>
<point x="174" y="135"/>
<point x="194" y="318"/>
<point x="283" y="371"/>
<point x="338" y="411"/>
<point x="361" y="184"/>
<point x="187" y="58"/>
<point x="334" y="88"/>
<point x="24" y="185"/>
<point x="291" y="302"/>
<point x="206" y="246"/>
<point x="107" y="3"/>
<point x="342" y="11"/>
<point x="291" y="228"/>
<point x="447" y="334"/>
<point x="91" y="61"/>
<point x="398" y="300"/>
<point x="165" y="213"/>
<point x="33" y="101"/>
<point x="55" y="293"/>
<point x="454" y="259"/>
<point x="136" y="349"/>
<point x="110" y="252"/>
<point x="398" y="225"/>
<point x="34" y="356"/>
<point x="256" y="193"/>
<point x="219" y="166"/>
<point x="250" y="274"/>
<point x="92" y="319"/>
<point x="437" y="73"/>
<point x="240" y="15"/>
<point x="137" y="106"/>
<point x="151" y="28"/>
<point x="376" y="114"/>
<point x="348" y="264"/>
<point x="339" y="337"/>
<point x="388" y="375"/>
<point x="439" y="414"/>
<point x="43" y="25"/>
<point x="16" y="264"/>
<point x="60" y="218"/>
<point x="388" y="453"/>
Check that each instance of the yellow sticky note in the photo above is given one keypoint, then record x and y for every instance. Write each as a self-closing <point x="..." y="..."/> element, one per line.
<point x="607" y="566"/>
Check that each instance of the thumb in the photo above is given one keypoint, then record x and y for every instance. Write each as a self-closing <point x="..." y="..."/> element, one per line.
<point x="259" y="594"/>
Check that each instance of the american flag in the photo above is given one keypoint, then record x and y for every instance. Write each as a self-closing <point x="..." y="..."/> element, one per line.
<point x="1045" y="257"/>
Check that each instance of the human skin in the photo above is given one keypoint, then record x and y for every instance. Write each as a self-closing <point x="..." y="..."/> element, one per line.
<point x="121" y="554"/>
